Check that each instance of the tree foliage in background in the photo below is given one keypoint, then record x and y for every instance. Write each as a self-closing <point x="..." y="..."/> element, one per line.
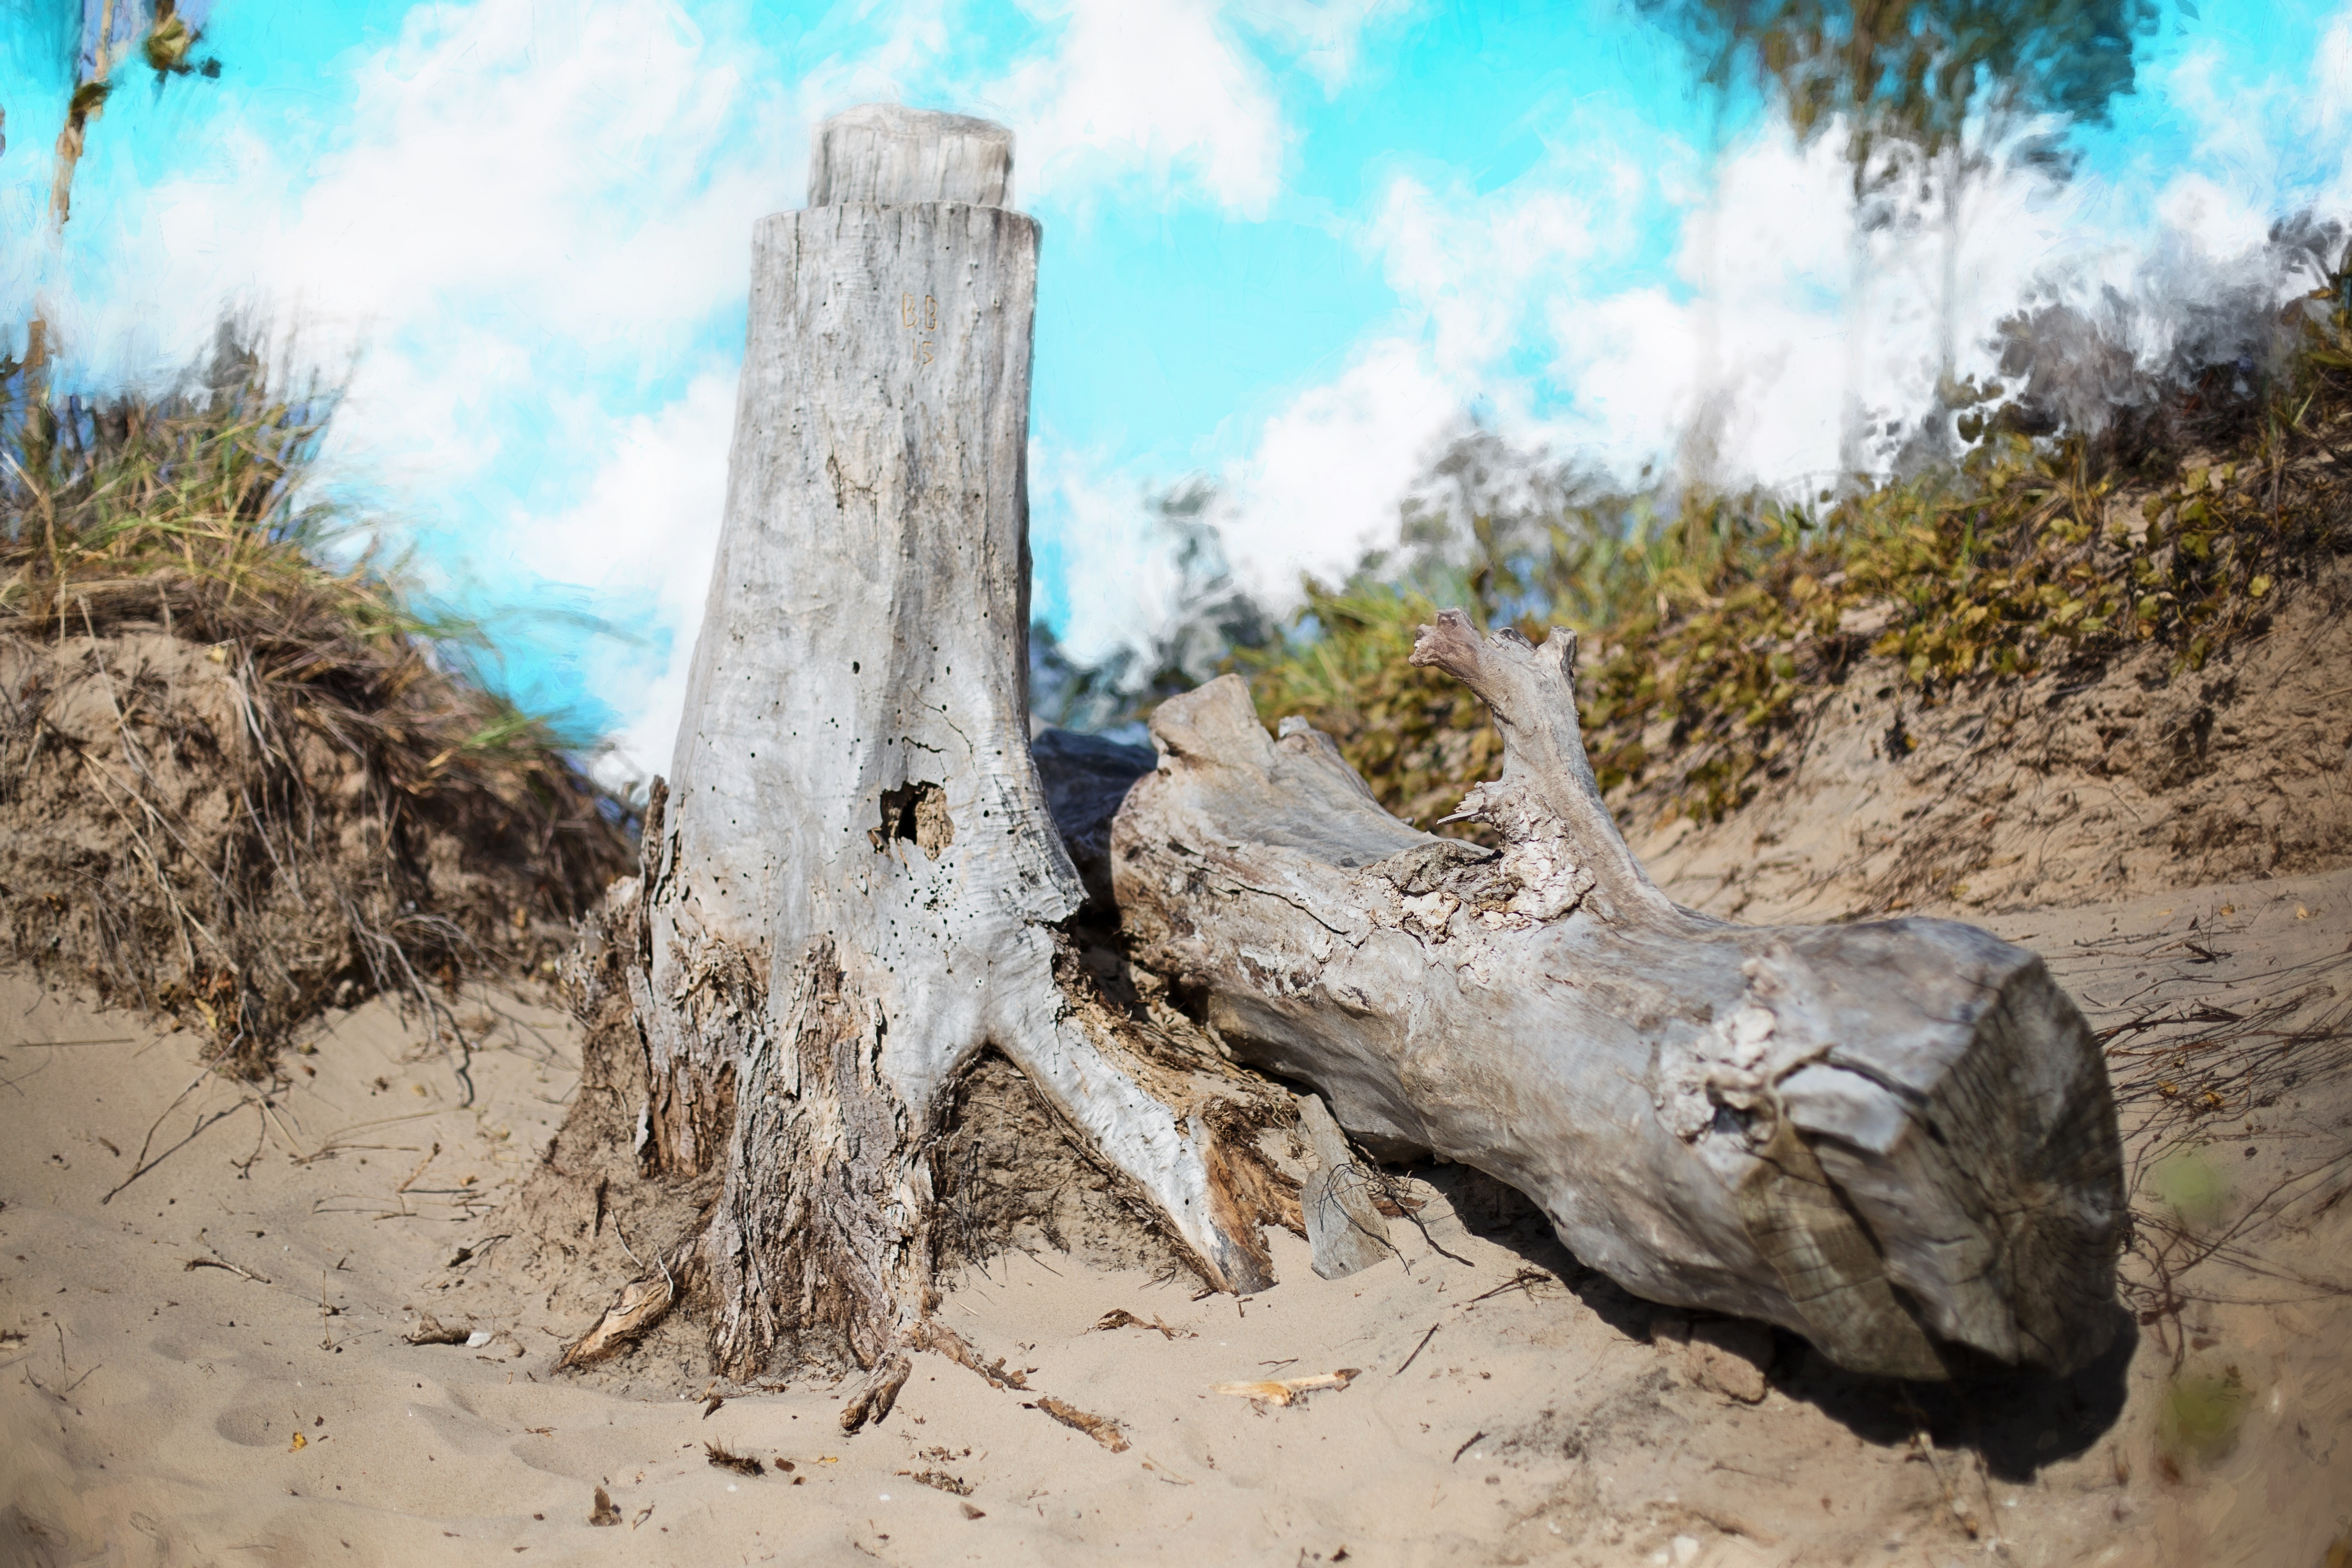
<point x="1916" y="73"/>
<point x="1923" y="89"/>
<point x="2104" y="506"/>
<point x="84" y="41"/>
<point x="1212" y="617"/>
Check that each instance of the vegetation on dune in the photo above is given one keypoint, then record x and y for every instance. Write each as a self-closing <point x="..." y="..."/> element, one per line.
<point x="350" y="815"/>
<point x="1710" y="621"/>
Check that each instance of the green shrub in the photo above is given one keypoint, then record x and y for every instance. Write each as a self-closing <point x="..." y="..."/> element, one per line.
<point x="1710" y="621"/>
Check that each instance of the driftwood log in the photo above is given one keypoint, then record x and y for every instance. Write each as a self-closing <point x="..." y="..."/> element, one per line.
<point x="853" y="885"/>
<point x="1895" y="1138"/>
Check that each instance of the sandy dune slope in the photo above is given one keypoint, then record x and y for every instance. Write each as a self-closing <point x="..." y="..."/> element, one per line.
<point x="210" y="1366"/>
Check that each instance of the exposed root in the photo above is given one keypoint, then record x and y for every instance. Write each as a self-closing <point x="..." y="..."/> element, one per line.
<point x="640" y="1304"/>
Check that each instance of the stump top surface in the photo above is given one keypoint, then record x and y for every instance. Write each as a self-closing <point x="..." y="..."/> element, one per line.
<point x="886" y="153"/>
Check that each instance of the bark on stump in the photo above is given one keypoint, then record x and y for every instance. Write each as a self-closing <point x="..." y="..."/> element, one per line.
<point x="1894" y="1138"/>
<point x="852" y="885"/>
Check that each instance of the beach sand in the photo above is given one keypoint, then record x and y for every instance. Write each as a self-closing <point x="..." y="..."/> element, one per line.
<point x="210" y="1366"/>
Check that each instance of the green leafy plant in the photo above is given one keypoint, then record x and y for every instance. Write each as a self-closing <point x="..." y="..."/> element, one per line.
<point x="1710" y="621"/>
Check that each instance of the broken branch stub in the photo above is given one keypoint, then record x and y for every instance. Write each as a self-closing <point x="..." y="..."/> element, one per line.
<point x="1895" y="1138"/>
<point x="852" y="885"/>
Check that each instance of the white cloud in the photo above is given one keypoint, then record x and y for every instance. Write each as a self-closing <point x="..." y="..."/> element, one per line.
<point x="1323" y="482"/>
<point x="1119" y="577"/>
<point x="2331" y="104"/>
<point x="645" y="535"/>
<point x="1325" y="33"/>
<point x="1166" y="97"/>
<point x="1475" y="266"/>
<point x="2217" y="221"/>
<point x="1156" y="93"/>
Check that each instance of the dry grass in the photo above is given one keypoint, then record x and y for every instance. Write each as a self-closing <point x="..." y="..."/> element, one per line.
<point x="290" y="799"/>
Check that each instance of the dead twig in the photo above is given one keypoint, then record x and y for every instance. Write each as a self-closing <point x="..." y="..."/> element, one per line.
<point x="141" y="1166"/>
<point x="1101" y="1428"/>
<point x="1417" y="1349"/>
<point x="1528" y="1279"/>
<point x="410" y="1179"/>
<point x="1120" y="1317"/>
<point x="196" y="1263"/>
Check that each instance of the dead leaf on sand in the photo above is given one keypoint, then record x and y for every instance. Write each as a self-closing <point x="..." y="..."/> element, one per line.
<point x="1120" y="1317"/>
<point x="1287" y="1391"/>
<point x="429" y="1331"/>
<point x="726" y="1459"/>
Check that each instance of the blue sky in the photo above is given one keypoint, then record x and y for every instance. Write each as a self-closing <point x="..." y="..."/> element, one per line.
<point x="1289" y="247"/>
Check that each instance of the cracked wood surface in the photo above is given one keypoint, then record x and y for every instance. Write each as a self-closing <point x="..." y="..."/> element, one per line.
<point x="1896" y="1137"/>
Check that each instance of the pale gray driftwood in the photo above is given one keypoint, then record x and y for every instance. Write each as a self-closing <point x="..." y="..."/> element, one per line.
<point x="1895" y="1138"/>
<point x="1343" y="1226"/>
<point x="853" y="885"/>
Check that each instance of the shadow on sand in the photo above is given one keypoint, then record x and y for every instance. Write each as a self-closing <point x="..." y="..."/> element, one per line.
<point x="2018" y="1421"/>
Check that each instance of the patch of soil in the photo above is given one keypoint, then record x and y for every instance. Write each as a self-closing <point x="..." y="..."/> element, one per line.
<point x="193" y="836"/>
<point x="2066" y="789"/>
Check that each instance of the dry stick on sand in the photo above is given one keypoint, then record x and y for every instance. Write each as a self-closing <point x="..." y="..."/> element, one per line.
<point x="408" y="1180"/>
<point x="1101" y="1428"/>
<point x="1526" y="1278"/>
<point x="1120" y="1317"/>
<point x="141" y="1166"/>
<point x="1417" y="1349"/>
<point x="193" y="1264"/>
<point x="1288" y="1389"/>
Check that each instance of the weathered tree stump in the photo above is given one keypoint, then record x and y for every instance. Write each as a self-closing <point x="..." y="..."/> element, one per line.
<point x="852" y="885"/>
<point x="1894" y="1138"/>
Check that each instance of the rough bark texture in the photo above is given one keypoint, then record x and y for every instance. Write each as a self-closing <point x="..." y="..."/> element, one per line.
<point x="1896" y="1137"/>
<point x="852" y="886"/>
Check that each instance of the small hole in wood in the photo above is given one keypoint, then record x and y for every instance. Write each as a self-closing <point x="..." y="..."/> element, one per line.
<point x="917" y="813"/>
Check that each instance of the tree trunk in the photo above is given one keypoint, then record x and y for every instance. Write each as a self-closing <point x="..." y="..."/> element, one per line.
<point x="852" y="886"/>
<point x="1895" y="1138"/>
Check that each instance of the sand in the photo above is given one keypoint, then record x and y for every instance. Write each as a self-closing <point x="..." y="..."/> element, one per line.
<point x="1506" y="1406"/>
<point x="2070" y="787"/>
